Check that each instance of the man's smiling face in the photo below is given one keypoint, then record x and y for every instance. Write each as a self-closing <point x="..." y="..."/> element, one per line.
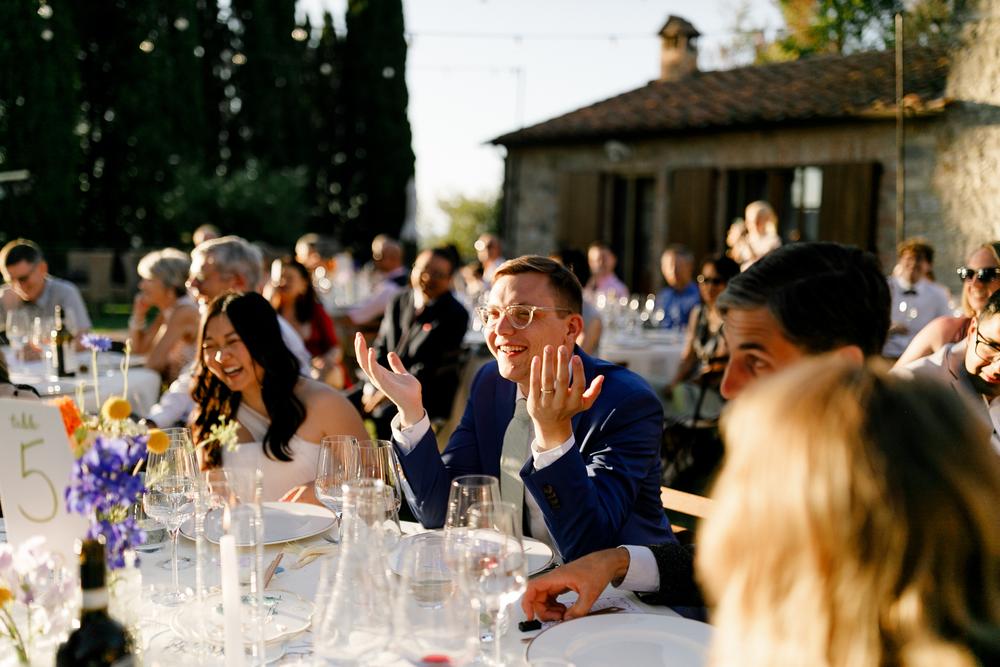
<point x="982" y="355"/>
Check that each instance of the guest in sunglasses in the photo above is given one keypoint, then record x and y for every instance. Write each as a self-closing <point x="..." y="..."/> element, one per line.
<point x="696" y="385"/>
<point x="980" y="278"/>
<point x="971" y="366"/>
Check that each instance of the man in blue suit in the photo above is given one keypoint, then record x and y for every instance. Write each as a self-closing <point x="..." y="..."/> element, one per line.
<point x="576" y="440"/>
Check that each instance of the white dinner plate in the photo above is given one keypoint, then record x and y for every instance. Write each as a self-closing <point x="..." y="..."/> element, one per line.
<point x="287" y="615"/>
<point x="539" y="555"/>
<point x="283" y="522"/>
<point x="620" y="639"/>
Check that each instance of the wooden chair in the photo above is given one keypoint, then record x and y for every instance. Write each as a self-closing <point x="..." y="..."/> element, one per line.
<point x="686" y="503"/>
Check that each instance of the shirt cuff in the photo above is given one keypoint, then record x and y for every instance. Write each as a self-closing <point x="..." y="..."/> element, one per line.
<point x="407" y="438"/>
<point x="550" y="456"/>
<point x="643" y="576"/>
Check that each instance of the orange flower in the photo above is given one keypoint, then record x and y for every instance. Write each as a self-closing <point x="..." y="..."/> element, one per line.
<point x="70" y="416"/>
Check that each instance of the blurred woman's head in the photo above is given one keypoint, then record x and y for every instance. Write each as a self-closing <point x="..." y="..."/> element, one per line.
<point x="716" y="272"/>
<point x="854" y="524"/>
<point x="976" y="286"/>
<point x="241" y="349"/>
<point x="295" y="287"/>
<point x="164" y="273"/>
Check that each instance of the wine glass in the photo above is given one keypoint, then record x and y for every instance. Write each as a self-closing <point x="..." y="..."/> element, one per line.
<point x="171" y="487"/>
<point x="377" y="460"/>
<point x="18" y="335"/>
<point x="432" y="617"/>
<point x="495" y="568"/>
<point x="466" y="491"/>
<point x="337" y="465"/>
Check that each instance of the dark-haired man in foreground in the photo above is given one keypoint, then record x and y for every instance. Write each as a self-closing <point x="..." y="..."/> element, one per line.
<point x="797" y="301"/>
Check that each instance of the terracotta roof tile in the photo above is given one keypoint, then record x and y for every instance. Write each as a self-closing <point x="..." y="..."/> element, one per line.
<point x="813" y="89"/>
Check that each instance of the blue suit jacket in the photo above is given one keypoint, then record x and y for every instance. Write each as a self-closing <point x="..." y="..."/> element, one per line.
<point x="603" y="493"/>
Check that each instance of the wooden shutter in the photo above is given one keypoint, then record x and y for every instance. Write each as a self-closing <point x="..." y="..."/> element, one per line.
<point x="581" y="208"/>
<point x="849" y="207"/>
<point x="691" y="209"/>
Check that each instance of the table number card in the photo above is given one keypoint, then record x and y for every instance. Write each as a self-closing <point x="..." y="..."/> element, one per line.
<point x="33" y="478"/>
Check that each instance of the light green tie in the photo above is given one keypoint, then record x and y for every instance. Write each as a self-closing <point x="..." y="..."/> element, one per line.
<point x="516" y="442"/>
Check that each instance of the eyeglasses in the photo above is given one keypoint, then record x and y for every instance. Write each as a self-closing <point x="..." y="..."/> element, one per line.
<point x="705" y="280"/>
<point x="520" y="317"/>
<point x="986" y="350"/>
<point x="986" y="275"/>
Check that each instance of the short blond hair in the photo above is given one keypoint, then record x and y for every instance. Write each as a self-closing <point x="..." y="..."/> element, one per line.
<point x="169" y="265"/>
<point x="855" y="524"/>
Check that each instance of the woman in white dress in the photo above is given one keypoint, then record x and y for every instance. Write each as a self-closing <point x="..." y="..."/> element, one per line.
<point x="245" y="372"/>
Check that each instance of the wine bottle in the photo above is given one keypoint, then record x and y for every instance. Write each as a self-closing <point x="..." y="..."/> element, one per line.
<point x="62" y="347"/>
<point x="100" y="641"/>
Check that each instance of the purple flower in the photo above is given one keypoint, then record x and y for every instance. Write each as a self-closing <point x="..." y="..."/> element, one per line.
<point x="95" y="342"/>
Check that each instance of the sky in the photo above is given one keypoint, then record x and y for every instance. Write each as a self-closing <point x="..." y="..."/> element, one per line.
<point x="477" y="69"/>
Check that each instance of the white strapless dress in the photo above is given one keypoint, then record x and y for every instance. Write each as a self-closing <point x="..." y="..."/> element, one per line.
<point x="278" y="476"/>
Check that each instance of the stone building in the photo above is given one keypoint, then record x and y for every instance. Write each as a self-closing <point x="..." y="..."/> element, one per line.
<point x="678" y="159"/>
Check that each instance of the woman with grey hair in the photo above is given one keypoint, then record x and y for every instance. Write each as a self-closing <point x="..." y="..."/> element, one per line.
<point x="169" y="340"/>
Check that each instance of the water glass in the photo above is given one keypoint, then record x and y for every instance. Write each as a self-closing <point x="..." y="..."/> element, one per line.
<point x="466" y="491"/>
<point x="432" y="617"/>
<point x="18" y="335"/>
<point x="377" y="460"/>
<point x="171" y="487"/>
<point x="336" y="466"/>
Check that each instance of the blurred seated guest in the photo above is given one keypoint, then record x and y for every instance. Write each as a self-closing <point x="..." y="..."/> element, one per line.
<point x="307" y="251"/>
<point x="589" y="339"/>
<point x="295" y="300"/>
<point x="916" y="301"/>
<point x="389" y="280"/>
<point x="30" y="287"/>
<point x="757" y="237"/>
<point x="489" y="251"/>
<point x="602" y="261"/>
<point x="204" y="233"/>
<point x="168" y="342"/>
<point x="246" y="373"/>
<point x="474" y="286"/>
<point x="424" y="326"/>
<point x="699" y="374"/>
<point x="872" y="537"/>
<point x="229" y="263"/>
<point x="971" y="366"/>
<point x="681" y="294"/>
<point x="980" y="278"/>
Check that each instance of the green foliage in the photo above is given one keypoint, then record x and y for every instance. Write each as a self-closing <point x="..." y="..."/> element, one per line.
<point x="266" y="205"/>
<point x="468" y="218"/>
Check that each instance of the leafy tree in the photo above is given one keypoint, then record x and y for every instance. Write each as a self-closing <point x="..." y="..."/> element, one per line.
<point x="468" y="218"/>
<point x="377" y="153"/>
<point x="38" y="101"/>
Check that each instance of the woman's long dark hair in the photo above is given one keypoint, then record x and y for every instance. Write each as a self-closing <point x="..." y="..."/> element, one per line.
<point x="305" y="303"/>
<point x="256" y="323"/>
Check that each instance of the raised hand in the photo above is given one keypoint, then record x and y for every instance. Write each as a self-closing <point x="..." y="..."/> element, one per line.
<point x="552" y="400"/>
<point x="397" y="384"/>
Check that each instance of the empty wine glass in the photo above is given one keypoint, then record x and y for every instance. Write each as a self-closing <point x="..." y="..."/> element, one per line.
<point x="377" y="460"/>
<point x="18" y="335"/>
<point x="495" y="569"/>
<point x="337" y="465"/>
<point x="466" y="491"/>
<point x="432" y="617"/>
<point x="171" y="486"/>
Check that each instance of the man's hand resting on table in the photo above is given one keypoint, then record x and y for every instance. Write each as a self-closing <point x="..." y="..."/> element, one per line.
<point x="588" y="576"/>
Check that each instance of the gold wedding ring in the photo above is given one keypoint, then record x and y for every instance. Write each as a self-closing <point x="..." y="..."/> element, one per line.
<point x="548" y="391"/>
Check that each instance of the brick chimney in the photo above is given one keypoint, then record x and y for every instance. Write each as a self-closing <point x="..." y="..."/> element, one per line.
<point x="678" y="49"/>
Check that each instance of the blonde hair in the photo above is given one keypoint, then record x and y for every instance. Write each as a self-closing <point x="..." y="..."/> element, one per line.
<point x="994" y="249"/>
<point x="170" y="265"/>
<point x="855" y="524"/>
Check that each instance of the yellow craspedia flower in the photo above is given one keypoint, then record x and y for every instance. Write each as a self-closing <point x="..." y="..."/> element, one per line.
<point x="6" y="595"/>
<point x="116" y="408"/>
<point x="157" y="441"/>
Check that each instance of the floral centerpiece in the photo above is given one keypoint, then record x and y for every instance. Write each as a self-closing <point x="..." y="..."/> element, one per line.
<point x="35" y="592"/>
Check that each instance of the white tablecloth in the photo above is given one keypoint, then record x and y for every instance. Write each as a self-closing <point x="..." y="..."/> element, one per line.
<point x="143" y="383"/>
<point x="654" y="355"/>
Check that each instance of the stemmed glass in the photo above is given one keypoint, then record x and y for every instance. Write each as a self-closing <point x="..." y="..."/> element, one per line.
<point x="466" y="491"/>
<point x="18" y="335"/>
<point x="171" y="487"/>
<point x="337" y="465"/>
<point x="377" y="460"/>
<point x="495" y="568"/>
<point x="433" y="620"/>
